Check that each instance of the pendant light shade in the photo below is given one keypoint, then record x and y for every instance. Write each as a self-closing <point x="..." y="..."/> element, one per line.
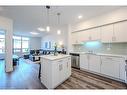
<point x="58" y="17"/>
<point x="48" y="27"/>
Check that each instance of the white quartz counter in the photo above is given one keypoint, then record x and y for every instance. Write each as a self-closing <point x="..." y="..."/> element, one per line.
<point x="52" y="57"/>
<point x="103" y="54"/>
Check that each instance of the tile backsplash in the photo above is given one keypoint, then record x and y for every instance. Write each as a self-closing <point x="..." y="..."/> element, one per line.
<point x="98" y="47"/>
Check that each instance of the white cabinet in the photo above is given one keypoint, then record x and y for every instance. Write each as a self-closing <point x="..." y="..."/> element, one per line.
<point x="122" y="65"/>
<point x="84" y="36"/>
<point x="110" y="66"/>
<point x="75" y="38"/>
<point x="90" y="62"/>
<point x="54" y="72"/>
<point x="94" y="63"/>
<point x="120" y="30"/>
<point x="69" y="67"/>
<point x="114" y="33"/>
<point x="95" y="34"/>
<point x="84" y="64"/>
<point x="107" y="33"/>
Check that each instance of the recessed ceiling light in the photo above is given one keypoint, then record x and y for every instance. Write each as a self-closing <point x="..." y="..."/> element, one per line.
<point x="34" y="33"/>
<point x="48" y="28"/>
<point x="80" y="17"/>
<point x="41" y="29"/>
<point x="58" y="32"/>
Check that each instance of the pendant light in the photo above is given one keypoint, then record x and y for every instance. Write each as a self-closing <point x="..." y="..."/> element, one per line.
<point x="58" y="31"/>
<point x="48" y="27"/>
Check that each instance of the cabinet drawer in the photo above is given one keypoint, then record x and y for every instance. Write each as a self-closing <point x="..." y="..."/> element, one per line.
<point x="110" y="58"/>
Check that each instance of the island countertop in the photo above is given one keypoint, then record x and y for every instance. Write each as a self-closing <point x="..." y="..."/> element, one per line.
<point x="52" y="57"/>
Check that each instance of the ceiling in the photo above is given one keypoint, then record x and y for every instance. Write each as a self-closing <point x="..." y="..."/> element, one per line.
<point x="28" y="18"/>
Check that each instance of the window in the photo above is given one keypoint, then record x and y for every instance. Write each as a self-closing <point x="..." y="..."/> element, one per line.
<point x="21" y="44"/>
<point x="17" y="43"/>
<point x="25" y="44"/>
<point x="2" y="43"/>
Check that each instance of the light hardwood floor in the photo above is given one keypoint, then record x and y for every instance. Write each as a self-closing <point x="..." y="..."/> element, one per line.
<point x="84" y="80"/>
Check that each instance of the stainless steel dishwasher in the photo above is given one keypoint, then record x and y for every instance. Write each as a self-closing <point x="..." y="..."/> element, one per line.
<point x="75" y="60"/>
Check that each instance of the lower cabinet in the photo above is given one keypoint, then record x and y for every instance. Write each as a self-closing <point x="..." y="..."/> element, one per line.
<point x="84" y="64"/>
<point x="55" y="72"/>
<point x="109" y="66"/>
<point x="94" y="63"/>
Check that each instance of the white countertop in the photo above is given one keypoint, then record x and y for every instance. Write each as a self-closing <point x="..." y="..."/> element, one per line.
<point x="52" y="57"/>
<point x="103" y="54"/>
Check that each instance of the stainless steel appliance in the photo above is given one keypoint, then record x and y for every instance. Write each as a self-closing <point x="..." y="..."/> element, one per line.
<point x="75" y="60"/>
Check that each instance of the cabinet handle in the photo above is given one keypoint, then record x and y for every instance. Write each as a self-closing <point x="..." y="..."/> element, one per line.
<point x="60" y="61"/>
<point x="67" y="64"/>
<point x="60" y="67"/>
<point x="89" y="37"/>
<point x="109" y="58"/>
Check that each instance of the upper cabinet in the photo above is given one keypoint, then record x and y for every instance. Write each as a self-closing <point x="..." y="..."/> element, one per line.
<point x="120" y="30"/>
<point x="107" y="33"/>
<point x="75" y="37"/>
<point x="112" y="33"/>
<point x="95" y="34"/>
<point x="86" y="35"/>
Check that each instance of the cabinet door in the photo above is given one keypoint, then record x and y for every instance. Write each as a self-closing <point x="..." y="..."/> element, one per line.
<point x="107" y="33"/>
<point x="84" y="61"/>
<point x="55" y="74"/>
<point x="75" y="37"/>
<point x="45" y="69"/>
<point x="110" y="66"/>
<point x="62" y="70"/>
<point x="122" y="69"/>
<point x="68" y="66"/>
<point x="95" y="34"/>
<point x="94" y="63"/>
<point x="83" y="36"/>
<point x="120" y="30"/>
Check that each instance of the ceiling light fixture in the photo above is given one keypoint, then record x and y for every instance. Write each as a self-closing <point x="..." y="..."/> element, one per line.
<point x="58" y="31"/>
<point x="41" y="29"/>
<point x="34" y="33"/>
<point x="80" y="17"/>
<point x="48" y="27"/>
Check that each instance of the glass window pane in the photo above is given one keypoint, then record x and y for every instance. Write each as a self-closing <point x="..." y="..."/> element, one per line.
<point x="25" y="38"/>
<point x="2" y="36"/>
<point x="17" y="37"/>
<point x="25" y="44"/>
<point x="17" y="43"/>
<point x="2" y="50"/>
<point x="2" y="43"/>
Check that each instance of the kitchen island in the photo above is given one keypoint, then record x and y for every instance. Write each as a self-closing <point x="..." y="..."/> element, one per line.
<point x="55" y="69"/>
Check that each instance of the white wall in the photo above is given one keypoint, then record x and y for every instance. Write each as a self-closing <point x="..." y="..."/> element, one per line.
<point x="35" y="43"/>
<point x="7" y="25"/>
<point x="53" y="37"/>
